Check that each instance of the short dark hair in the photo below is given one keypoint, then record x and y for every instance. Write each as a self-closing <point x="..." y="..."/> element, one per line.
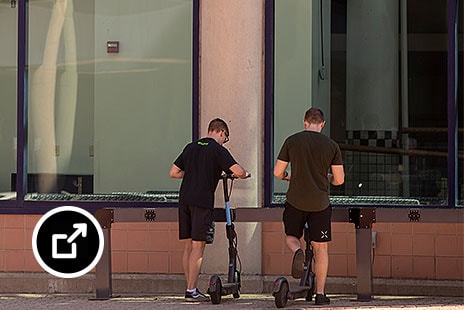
<point x="314" y="116"/>
<point x="218" y="124"/>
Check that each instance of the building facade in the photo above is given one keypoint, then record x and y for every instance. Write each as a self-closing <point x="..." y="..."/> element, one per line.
<point x="99" y="97"/>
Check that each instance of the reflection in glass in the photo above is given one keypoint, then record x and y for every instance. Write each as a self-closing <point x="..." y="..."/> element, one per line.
<point x="102" y="121"/>
<point x="53" y="85"/>
<point x="8" y="77"/>
<point x="388" y="96"/>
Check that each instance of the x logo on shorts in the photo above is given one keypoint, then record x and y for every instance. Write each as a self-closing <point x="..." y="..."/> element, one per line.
<point x="324" y="235"/>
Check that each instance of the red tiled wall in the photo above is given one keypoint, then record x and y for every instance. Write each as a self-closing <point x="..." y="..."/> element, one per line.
<point x="404" y="250"/>
<point x="136" y="247"/>
<point x="16" y="243"/>
<point x="146" y="248"/>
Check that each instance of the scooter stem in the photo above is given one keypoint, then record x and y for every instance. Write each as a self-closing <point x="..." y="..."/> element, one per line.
<point x="228" y="216"/>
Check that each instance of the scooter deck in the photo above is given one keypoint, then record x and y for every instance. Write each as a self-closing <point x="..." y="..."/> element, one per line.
<point x="299" y="288"/>
<point x="230" y="288"/>
<point x="298" y="292"/>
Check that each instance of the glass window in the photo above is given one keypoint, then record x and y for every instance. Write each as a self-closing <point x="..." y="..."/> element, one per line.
<point x="379" y="71"/>
<point x="109" y="81"/>
<point x="292" y="91"/>
<point x="8" y="80"/>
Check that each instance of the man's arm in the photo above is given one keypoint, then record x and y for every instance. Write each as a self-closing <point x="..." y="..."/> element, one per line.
<point x="176" y="172"/>
<point x="337" y="177"/>
<point x="239" y="171"/>
<point x="280" y="170"/>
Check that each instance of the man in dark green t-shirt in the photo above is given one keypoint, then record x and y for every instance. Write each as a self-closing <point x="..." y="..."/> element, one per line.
<point x="200" y="166"/>
<point x="311" y="156"/>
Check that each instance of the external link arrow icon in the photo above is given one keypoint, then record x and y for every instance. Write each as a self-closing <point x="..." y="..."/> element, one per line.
<point x="81" y="228"/>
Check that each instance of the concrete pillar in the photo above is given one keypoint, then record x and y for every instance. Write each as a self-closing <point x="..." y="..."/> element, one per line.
<point x="372" y="65"/>
<point x="231" y="87"/>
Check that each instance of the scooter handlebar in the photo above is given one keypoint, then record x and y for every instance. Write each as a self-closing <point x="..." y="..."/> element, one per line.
<point x="233" y="176"/>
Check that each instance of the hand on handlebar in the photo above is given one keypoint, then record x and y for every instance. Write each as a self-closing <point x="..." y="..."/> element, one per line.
<point x="230" y="175"/>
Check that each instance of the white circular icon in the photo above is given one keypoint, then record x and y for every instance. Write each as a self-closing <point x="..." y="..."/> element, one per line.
<point x="67" y="242"/>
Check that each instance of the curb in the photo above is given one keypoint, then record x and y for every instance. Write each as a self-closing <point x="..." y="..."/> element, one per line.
<point x="251" y="284"/>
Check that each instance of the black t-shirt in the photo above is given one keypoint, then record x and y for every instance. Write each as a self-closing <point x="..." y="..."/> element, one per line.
<point x="310" y="155"/>
<point x="203" y="162"/>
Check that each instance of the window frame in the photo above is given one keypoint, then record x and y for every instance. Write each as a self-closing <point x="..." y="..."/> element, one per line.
<point x="452" y="102"/>
<point x="22" y="206"/>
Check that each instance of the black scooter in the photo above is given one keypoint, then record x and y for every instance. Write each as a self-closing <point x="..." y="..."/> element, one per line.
<point x="282" y="291"/>
<point x="216" y="288"/>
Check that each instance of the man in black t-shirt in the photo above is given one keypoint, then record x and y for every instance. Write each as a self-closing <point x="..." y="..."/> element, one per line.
<point x="200" y="166"/>
<point x="311" y="155"/>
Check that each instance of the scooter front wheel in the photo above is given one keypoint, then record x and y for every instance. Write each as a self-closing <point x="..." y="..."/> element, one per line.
<point x="215" y="290"/>
<point x="281" y="295"/>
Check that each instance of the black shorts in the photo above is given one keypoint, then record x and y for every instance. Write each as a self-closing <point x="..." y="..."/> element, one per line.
<point x="196" y="223"/>
<point x="319" y="223"/>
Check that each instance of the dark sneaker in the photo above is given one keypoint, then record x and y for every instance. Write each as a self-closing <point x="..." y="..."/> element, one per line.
<point x="297" y="264"/>
<point x="321" y="299"/>
<point x="197" y="296"/>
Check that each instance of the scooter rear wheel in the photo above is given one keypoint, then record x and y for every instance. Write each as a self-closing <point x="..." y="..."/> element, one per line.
<point x="237" y="280"/>
<point x="281" y="296"/>
<point x="310" y="294"/>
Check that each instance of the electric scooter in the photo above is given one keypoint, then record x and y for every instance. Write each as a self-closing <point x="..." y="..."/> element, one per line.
<point x="217" y="289"/>
<point x="282" y="291"/>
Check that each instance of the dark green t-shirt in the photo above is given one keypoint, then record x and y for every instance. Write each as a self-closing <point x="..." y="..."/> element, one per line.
<point x="203" y="162"/>
<point x="310" y="155"/>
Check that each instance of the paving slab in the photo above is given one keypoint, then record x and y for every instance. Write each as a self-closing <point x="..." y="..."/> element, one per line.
<point x="246" y="301"/>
